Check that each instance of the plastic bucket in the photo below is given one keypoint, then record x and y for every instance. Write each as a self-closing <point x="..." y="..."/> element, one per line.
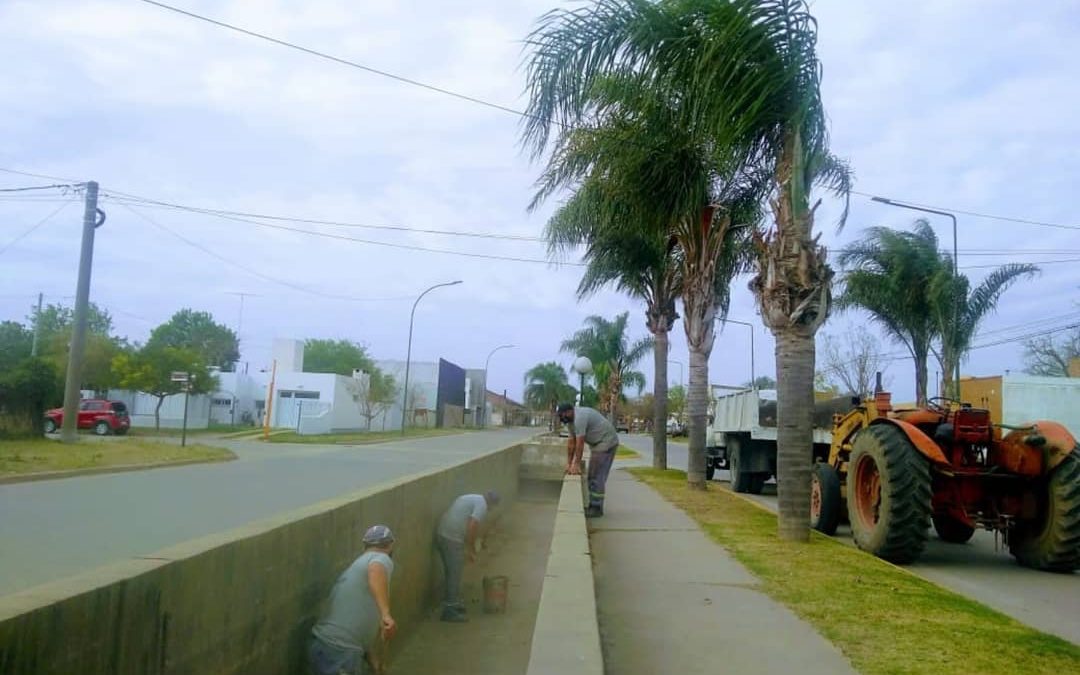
<point x="495" y="589"/>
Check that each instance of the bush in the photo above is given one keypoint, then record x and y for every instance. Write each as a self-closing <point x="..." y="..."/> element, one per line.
<point x="26" y="391"/>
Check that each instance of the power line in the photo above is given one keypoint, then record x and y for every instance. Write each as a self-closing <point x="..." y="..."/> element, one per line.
<point x="1034" y="262"/>
<point x="1029" y="336"/>
<point x="342" y="61"/>
<point x="250" y="271"/>
<point x="38" y="175"/>
<point x="1008" y="219"/>
<point x="370" y="242"/>
<point x="120" y="196"/>
<point x="34" y="227"/>
<point x="33" y="187"/>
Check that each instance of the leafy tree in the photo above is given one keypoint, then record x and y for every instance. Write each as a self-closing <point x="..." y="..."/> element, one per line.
<point x="1048" y="357"/>
<point x="26" y="390"/>
<point x="59" y="319"/>
<point x="890" y="274"/>
<point x="98" y="354"/>
<point x="215" y="343"/>
<point x="374" y="394"/>
<point x="952" y="294"/>
<point x="149" y="370"/>
<point x="336" y="356"/>
<point x="608" y="346"/>
<point x="853" y="360"/>
<point x="15" y="344"/>
<point x="761" y="382"/>
<point x="677" y="400"/>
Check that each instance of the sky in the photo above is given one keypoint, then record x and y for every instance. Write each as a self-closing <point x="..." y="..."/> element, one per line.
<point x="965" y="104"/>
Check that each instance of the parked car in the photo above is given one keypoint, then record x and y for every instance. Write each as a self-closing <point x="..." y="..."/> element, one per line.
<point x="622" y="425"/>
<point x="104" y="417"/>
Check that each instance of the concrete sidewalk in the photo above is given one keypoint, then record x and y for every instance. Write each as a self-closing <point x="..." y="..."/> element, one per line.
<point x="672" y="601"/>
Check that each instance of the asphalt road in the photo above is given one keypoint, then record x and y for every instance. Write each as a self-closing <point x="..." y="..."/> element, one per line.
<point x="54" y="529"/>
<point x="977" y="569"/>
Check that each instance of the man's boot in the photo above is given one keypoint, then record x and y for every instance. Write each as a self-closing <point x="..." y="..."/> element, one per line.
<point x="594" y="512"/>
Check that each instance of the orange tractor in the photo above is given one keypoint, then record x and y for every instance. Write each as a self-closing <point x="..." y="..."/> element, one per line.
<point x="948" y="464"/>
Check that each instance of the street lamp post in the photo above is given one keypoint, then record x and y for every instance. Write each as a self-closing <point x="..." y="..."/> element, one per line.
<point x="582" y="366"/>
<point x="956" y="276"/>
<point x="753" y="374"/>
<point x="408" y="353"/>
<point x="682" y="380"/>
<point x="483" y="395"/>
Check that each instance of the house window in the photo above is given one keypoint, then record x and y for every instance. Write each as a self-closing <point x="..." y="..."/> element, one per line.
<point x="224" y="402"/>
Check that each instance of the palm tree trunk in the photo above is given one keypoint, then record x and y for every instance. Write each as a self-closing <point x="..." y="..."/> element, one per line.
<point x="660" y="402"/>
<point x="697" y="401"/>
<point x="794" y="430"/>
<point x="921" y="357"/>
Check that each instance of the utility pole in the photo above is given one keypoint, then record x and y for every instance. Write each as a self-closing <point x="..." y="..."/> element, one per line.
<point x="69" y="431"/>
<point x="37" y="326"/>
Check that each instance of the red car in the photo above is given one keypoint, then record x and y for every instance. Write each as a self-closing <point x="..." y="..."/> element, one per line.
<point x="104" y="417"/>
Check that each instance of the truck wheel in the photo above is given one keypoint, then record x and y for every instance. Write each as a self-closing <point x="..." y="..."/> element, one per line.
<point x="1051" y="542"/>
<point x="889" y="494"/>
<point x="102" y="428"/>
<point x="50" y="426"/>
<point x="824" y="499"/>
<point x="741" y="481"/>
<point x="710" y="468"/>
<point x="951" y="530"/>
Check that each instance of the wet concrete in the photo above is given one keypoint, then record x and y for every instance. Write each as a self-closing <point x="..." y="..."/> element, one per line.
<point x="492" y="644"/>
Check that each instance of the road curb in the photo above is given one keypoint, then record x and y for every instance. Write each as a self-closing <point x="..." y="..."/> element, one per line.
<point x="99" y="470"/>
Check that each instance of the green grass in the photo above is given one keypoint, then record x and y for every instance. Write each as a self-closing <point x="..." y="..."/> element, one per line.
<point x="624" y="452"/>
<point x="150" y="432"/>
<point x="884" y="619"/>
<point x="361" y="438"/>
<point x="24" y="457"/>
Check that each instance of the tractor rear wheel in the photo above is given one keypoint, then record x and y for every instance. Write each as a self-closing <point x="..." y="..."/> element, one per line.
<point x="1051" y="542"/>
<point x="888" y="494"/>
<point x="824" y="499"/>
<point x="951" y="530"/>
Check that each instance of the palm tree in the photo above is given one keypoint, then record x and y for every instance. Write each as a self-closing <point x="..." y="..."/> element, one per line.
<point x="608" y="346"/>
<point x="640" y="176"/>
<point x="640" y="262"/>
<point x="949" y="293"/>
<point x="748" y="80"/>
<point x="890" y="274"/>
<point x="545" y="385"/>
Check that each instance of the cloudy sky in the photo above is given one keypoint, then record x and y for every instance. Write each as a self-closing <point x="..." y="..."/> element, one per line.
<point x="967" y="104"/>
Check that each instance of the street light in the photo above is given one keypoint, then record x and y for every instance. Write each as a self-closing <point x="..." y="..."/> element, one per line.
<point x="956" y="276"/>
<point x="582" y="366"/>
<point x="408" y="354"/>
<point x="682" y="380"/>
<point x="483" y="400"/>
<point x="753" y="375"/>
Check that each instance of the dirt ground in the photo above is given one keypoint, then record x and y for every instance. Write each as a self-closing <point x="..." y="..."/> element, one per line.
<point x="492" y="644"/>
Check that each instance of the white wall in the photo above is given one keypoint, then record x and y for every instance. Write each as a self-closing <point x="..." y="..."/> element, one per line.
<point x="1026" y="398"/>
<point x="141" y="409"/>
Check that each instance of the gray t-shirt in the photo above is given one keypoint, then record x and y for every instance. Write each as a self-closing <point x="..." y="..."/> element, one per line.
<point x="352" y="619"/>
<point x="596" y="428"/>
<point x="455" y="521"/>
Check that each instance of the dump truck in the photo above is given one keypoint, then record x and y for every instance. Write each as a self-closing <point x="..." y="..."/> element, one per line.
<point x="896" y="472"/>
<point x="741" y="436"/>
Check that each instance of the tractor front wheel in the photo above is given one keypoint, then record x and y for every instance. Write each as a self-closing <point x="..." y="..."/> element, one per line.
<point x="1051" y="541"/>
<point x="824" y="499"/>
<point x="888" y="494"/>
<point x="951" y="530"/>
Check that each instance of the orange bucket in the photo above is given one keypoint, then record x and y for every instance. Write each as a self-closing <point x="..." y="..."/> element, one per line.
<point x="495" y="594"/>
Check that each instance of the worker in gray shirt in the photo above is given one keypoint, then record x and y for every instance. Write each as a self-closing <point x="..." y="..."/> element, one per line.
<point x="456" y="541"/>
<point x="587" y="425"/>
<point x="358" y="612"/>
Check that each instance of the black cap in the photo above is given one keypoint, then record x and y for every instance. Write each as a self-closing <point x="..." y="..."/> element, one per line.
<point x="564" y="407"/>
